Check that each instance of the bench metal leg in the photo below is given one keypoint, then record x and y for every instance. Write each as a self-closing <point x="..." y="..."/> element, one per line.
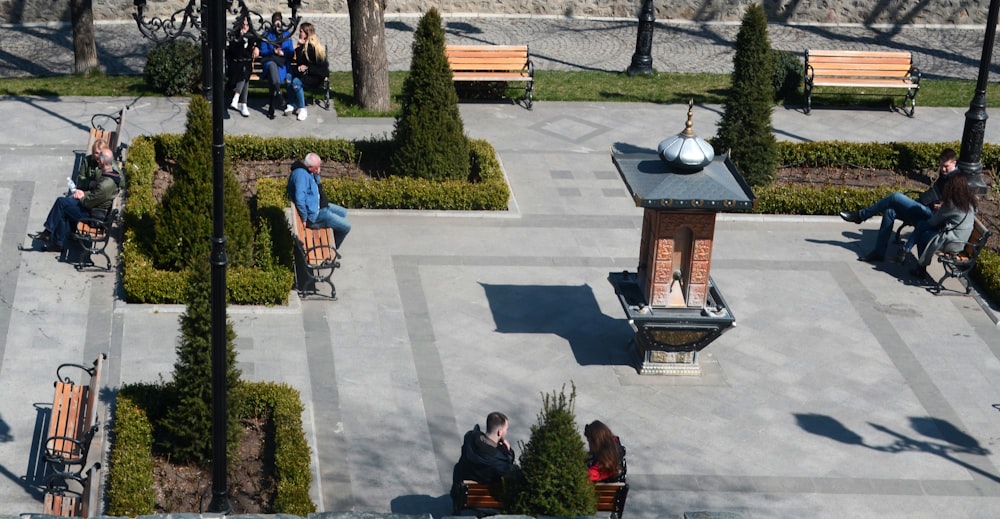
<point x="529" y="95"/>
<point x="809" y="98"/>
<point x="911" y="100"/>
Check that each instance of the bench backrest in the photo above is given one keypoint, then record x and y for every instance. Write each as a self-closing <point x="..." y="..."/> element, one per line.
<point x="487" y="58"/>
<point x="977" y="240"/>
<point x="851" y="63"/>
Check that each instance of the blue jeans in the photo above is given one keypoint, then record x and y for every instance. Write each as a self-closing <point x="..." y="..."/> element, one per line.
<point x="893" y="207"/>
<point x="332" y="217"/>
<point x="65" y="212"/>
<point x="295" y="92"/>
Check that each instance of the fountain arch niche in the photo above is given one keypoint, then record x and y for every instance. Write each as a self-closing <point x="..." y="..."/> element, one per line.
<point x="671" y="301"/>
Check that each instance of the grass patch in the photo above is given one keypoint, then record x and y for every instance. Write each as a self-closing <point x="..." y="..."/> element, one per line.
<point x="550" y="85"/>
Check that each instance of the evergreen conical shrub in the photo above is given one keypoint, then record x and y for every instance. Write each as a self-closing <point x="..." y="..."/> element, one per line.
<point x="745" y="128"/>
<point x="187" y="426"/>
<point x="183" y="223"/>
<point x="554" y="478"/>
<point x="429" y="136"/>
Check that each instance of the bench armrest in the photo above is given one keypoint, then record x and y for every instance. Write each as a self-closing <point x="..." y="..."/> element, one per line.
<point x="914" y="74"/>
<point x="81" y="444"/>
<point x="66" y="379"/>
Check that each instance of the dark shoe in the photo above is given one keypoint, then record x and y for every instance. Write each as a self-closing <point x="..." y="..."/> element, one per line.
<point x="51" y="247"/>
<point x="43" y="236"/>
<point x="900" y="257"/>
<point x="851" y="216"/>
<point x="920" y="273"/>
<point x="872" y="258"/>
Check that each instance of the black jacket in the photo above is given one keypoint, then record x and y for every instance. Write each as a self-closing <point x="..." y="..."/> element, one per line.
<point x="481" y="461"/>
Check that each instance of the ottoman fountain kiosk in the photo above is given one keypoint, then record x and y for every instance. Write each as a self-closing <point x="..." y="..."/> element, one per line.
<point x="671" y="301"/>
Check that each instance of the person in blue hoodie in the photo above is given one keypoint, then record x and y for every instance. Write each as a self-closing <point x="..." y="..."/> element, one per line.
<point x="275" y="60"/>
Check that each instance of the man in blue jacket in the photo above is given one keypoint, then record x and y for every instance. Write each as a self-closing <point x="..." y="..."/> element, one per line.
<point x="316" y="211"/>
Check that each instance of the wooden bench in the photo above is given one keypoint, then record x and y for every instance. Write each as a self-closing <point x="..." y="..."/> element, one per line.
<point x="959" y="264"/>
<point x="493" y="63"/>
<point x="319" y="256"/>
<point x="257" y="80"/>
<point x="74" y="419"/>
<point x="61" y="500"/>
<point x="861" y="69"/>
<point x="485" y="499"/>
<point x="93" y="234"/>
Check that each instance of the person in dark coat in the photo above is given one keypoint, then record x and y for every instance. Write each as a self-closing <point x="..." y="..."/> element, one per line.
<point x="239" y="54"/>
<point x="486" y="457"/>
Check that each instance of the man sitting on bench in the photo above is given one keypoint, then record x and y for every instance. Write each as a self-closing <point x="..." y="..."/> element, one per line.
<point x="486" y="457"/>
<point x="94" y="201"/>
<point x="316" y="211"/>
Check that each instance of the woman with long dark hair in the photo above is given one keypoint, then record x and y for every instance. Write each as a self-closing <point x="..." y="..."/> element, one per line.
<point x="607" y="456"/>
<point x="949" y="227"/>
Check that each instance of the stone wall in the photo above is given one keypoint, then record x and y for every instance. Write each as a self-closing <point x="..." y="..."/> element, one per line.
<point x="966" y="12"/>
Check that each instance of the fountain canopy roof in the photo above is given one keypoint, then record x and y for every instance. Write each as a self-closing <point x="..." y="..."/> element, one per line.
<point x="655" y="183"/>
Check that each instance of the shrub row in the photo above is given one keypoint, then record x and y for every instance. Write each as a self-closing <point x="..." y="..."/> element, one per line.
<point x="143" y="283"/>
<point x="130" y="477"/>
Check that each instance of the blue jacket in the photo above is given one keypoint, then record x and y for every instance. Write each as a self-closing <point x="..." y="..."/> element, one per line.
<point x="304" y="192"/>
<point x="267" y="53"/>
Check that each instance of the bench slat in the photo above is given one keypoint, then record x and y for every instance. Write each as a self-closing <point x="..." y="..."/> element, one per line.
<point x="862" y="83"/>
<point x="492" y="63"/>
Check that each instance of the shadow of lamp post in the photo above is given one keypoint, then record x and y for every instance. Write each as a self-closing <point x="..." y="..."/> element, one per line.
<point x="971" y="153"/>
<point x="209" y="22"/>
<point x="642" y="60"/>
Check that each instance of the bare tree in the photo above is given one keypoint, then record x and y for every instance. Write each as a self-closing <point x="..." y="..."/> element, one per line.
<point x="84" y="47"/>
<point x="369" y="62"/>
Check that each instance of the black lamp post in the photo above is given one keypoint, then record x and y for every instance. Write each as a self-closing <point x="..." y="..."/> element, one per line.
<point x="970" y="155"/>
<point x="212" y="29"/>
<point x="642" y="60"/>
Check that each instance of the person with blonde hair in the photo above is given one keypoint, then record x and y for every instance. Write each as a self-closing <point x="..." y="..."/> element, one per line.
<point x="309" y="69"/>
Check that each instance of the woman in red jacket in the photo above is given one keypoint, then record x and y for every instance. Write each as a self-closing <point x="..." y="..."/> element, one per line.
<point x="607" y="455"/>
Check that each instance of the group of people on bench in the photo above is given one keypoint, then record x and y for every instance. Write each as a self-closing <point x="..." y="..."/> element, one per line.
<point x="98" y="182"/>
<point x="487" y="457"/>
<point x="943" y="217"/>
<point x="284" y="63"/>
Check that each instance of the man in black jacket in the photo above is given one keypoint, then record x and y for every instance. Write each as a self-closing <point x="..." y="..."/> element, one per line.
<point x="486" y="457"/>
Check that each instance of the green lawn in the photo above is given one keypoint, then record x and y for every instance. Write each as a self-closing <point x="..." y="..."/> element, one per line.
<point x="549" y="86"/>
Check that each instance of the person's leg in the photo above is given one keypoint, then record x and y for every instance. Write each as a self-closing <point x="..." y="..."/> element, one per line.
<point x="898" y="202"/>
<point x="277" y="101"/>
<point x="333" y="217"/>
<point x="64" y="214"/>
<point x="242" y="88"/>
<point x="300" y="95"/>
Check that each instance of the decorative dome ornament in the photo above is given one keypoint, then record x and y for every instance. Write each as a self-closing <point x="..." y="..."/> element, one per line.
<point x="686" y="151"/>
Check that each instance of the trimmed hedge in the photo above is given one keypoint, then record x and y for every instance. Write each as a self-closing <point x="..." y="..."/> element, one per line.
<point x="130" y="479"/>
<point x="143" y="283"/>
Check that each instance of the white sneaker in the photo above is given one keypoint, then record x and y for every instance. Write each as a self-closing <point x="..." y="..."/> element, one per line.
<point x="235" y="105"/>
<point x="302" y="114"/>
<point x="289" y="109"/>
<point x="243" y="110"/>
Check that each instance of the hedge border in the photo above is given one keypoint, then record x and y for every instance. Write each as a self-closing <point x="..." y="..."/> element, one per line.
<point x="130" y="476"/>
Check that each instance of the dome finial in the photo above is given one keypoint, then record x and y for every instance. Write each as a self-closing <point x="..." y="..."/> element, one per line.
<point x="689" y="125"/>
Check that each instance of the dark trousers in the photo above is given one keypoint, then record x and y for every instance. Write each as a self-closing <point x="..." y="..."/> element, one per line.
<point x="65" y="212"/>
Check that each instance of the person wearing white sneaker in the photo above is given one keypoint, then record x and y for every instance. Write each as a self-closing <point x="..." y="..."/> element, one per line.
<point x="309" y="68"/>
<point x="240" y="55"/>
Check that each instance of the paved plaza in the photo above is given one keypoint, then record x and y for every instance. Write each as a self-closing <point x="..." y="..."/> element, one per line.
<point x="844" y="390"/>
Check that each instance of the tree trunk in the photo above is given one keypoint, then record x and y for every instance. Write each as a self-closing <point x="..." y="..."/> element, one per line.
<point x="84" y="48"/>
<point x="369" y="63"/>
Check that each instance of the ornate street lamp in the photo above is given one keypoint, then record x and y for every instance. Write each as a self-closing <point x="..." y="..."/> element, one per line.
<point x="642" y="60"/>
<point x="211" y="27"/>
<point x="971" y="153"/>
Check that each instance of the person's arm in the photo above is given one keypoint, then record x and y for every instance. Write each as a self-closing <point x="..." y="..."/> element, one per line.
<point x="300" y="185"/>
<point x="104" y="192"/>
